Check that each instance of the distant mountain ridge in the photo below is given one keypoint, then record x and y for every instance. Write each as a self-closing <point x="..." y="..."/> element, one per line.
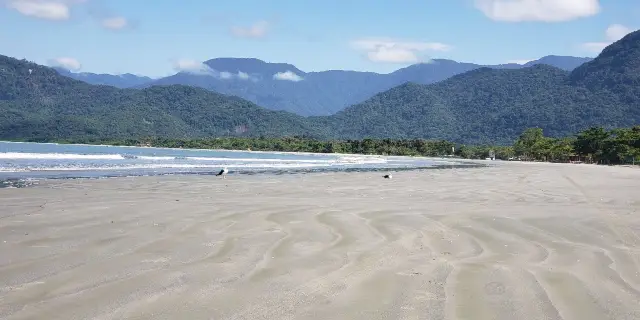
<point x="312" y="93"/>
<point x="126" y="80"/>
<point x="326" y="92"/>
<point x="566" y="63"/>
<point x="38" y="103"/>
<point x="251" y="66"/>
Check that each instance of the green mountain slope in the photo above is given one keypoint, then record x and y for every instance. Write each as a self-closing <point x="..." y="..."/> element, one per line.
<point x="489" y="105"/>
<point x="616" y="69"/>
<point x="38" y="103"/>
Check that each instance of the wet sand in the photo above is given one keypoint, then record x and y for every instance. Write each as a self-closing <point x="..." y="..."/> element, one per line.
<point x="516" y="241"/>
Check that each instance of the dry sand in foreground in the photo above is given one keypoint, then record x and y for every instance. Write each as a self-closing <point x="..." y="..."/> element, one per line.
<point x="516" y="241"/>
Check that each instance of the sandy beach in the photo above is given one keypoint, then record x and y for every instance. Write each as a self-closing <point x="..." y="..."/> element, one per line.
<point x="514" y="241"/>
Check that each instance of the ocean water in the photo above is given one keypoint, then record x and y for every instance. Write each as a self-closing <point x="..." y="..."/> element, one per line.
<point x="48" y="160"/>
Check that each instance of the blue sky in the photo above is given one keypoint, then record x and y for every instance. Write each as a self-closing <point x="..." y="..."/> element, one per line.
<point x="158" y="37"/>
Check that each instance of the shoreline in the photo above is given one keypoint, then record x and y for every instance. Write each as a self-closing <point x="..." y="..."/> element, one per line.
<point x="24" y="182"/>
<point x="433" y="158"/>
<point x="249" y="151"/>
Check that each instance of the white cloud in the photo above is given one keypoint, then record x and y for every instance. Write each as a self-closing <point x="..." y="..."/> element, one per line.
<point x="226" y="75"/>
<point x="257" y="30"/>
<point x="192" y="66"/>
<point x="115" y="23"/>
<point x="520" y="61"/>
<point x="240" y="75"/>
<point x="199" y="68"/>
<point x="616" y="32"/>
<point x="538" y="10"/>
<point x="613" y="33"/>
<point x="43" y="9"/>
<point x="393" y="55"/>
<point x="243" y="75"/>
<point x="288" y="76"/>
<point x="393" y="51"/>
<point x="595" y="46"/>
<point x="70" y="64"/>
<point x="105" y="17"/>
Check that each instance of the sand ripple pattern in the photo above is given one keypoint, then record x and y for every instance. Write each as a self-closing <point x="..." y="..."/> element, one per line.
<point x="514" y="241"/>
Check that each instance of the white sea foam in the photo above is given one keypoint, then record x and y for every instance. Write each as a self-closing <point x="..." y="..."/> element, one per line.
<point x="154" y="158"/>
<point x="42" y="160"/>
<point x="357" y="160"/>
<point x="59" y="156"/>
<point x="75" y="156"/>
<point x="162" y="166"/>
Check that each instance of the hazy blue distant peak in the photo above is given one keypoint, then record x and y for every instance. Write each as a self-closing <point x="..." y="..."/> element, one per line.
<point x="251" y="66"/>
<point x="567" y="63"/>
<point x="282" y="86"/>
<point x="125" y="80"/>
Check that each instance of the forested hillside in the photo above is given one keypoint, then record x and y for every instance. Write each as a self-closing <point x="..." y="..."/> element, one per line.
<point x="38" y="103"/>
<point x="493" y="105"/>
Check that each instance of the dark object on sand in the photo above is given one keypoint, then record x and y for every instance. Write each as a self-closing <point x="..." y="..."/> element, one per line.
<point x="223" y="173"/>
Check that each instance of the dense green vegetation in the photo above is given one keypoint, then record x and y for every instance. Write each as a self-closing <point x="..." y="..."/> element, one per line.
<point x="493" y="106"/>
<point x="482" y="107"/>
<point x="616" y="146"/>
<point x="592" y="145"/>
<point x="486" y="106"/>
<point x="37" y="103"/>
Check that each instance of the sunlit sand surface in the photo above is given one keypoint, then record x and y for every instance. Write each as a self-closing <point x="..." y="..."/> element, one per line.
<point x="515" y="241"/>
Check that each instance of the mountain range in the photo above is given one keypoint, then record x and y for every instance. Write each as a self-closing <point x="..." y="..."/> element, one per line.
<point x="126" y="80"/>
<point x="282" y="86"/>
<point x="37" y="103"/>
<point x="483" y="105"/>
